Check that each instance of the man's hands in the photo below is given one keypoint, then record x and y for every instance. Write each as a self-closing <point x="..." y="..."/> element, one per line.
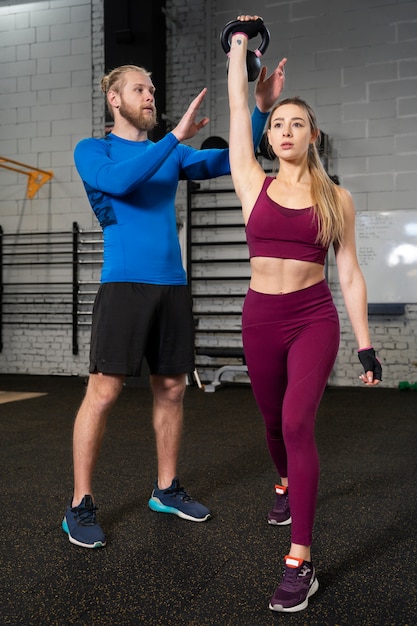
<point x="187" y="127"/>
<point x="267" y="91"/>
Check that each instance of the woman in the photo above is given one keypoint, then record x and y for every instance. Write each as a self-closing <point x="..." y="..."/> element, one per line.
<point x="290" y="325"/>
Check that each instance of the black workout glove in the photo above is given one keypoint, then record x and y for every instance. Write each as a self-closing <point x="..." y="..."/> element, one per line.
<point x="370" y="362"/>
<point x="251" y="28"/>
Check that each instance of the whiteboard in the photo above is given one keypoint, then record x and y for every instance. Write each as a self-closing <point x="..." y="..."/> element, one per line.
<point x="387" y="252"/>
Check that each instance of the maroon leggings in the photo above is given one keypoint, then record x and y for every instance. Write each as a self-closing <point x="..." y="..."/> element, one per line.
<point x="291" y="343"/>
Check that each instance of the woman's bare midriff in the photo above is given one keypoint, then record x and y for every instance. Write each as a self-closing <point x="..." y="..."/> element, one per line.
<point x="280" y="276"/>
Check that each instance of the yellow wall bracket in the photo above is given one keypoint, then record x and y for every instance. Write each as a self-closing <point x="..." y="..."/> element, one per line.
<point x="36" y="177"/>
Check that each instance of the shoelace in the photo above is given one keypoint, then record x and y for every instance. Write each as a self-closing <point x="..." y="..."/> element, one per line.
<point x="281" y="503"/>
<point x="290" y="578"/>
<point x="86" y="517"/>
<point x="181" y="493"/>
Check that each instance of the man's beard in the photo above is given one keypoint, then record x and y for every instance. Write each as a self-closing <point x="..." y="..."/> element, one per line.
<point x="138" y="119"/>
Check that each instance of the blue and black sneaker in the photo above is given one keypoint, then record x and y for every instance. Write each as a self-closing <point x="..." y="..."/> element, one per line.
<point x="81" y="526"/>
<point x="176" y="500"/>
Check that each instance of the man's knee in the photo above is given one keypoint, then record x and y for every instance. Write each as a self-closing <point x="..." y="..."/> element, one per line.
<point x="104" y="389"/>
<point x="168" y="388"/>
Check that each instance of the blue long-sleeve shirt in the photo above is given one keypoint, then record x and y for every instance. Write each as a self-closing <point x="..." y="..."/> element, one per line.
<point x="131" y="186"/>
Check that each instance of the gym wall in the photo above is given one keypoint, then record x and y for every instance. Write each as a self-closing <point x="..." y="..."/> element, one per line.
<point x="355" y="62"/>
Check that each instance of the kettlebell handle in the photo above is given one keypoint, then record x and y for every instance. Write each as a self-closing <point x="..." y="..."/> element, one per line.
<point x="237" y="26"/>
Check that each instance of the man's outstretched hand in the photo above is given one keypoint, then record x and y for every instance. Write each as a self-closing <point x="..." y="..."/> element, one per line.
<point x="268" y="90"/>
<point x="187" y="127"/>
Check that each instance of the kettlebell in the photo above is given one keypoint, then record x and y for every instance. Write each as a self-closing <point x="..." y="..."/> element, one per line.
<point x="252" y="29"/>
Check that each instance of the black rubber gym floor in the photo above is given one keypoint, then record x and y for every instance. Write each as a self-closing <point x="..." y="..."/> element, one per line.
<point x="160" y="570"/>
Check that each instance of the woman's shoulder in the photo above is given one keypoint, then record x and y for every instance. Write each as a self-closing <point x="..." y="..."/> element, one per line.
<point x="344" y="194"/>
<point x="346" y="203"/>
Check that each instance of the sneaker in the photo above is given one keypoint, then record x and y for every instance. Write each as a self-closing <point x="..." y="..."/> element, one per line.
<point x="176" y="500"/>
<point x="298" y="583"/>
<point x="81" y="526"/>
<point x="280" y="513"/>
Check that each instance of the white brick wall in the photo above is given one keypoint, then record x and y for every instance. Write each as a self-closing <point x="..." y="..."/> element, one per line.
<point x="50" y="53"/>
<point x="355" y="62"/>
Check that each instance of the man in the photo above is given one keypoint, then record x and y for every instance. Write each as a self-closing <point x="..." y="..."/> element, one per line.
<point x="143" y="306"/>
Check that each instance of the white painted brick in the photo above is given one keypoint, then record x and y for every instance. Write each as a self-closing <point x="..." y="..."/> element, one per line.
<point x="365" y="147"/>
<point x="328" y="96"/>
<point x="51" y="113"/>
<point x="23" y="52"/>
<point x="73" y="31"/>
<point x="354" y="130"/>
<point x="355" y="92"/>
<point x="80" y="12"/>
<point x="408" y="68"/>
<point x="50" y="16"/>
<point x="18" y="130"/>
<point x="390" y="13"/>
<point x="329" y="59"/>
<point x="389" y="89"/>
<point x="51" y="81"/>
<point x="74" y="62"/>
<point x="349" y="166"/>
<point x="50" y="50"/>
<point x="9" y="148"/>
<point x="387" y="52"/>
<point x="327" y="116"/>
<point x="391" y="201"/>
<point x="42" y="98"/>
<point x="407" y="31"/>
<point x="7" y="22"/>
<point x="366" y="110"/>
<point x="44" y="144"/>
<point x="29" y="7"/>
<point x="406" y="181"/>
<point x="407" y="106"/>
<point x="22" y="20"/>
<point x="23" y="85"/>
<point x="390" y="127"/>
<point x="369" y="182"/>
<point x="10" y="116"/>
<point x="406" y="144"/>
<point x="43" y="34"/>
<point x="23" y="149"/>
<point x="81" y="46"/>
<point x="364" y="35"/>
<point x="18" y="37"/>
<point x="8" y="55"/>
<point x="7" y="86"/>
<point x="43" y="66"/>
<point x="68" y="187"/>
<point x="44" y="129"/>
<point x="392" y="163"/>
<point x="370" y="73"/>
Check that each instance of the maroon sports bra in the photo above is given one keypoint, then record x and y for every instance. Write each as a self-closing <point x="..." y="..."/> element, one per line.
<point x="275" y="231"/>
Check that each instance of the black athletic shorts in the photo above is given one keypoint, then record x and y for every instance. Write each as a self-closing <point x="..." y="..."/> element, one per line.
<point x="136" y="320"/>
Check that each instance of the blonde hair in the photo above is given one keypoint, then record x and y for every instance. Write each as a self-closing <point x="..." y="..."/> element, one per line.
<point x="324" y="192"/>
<point x="115" y="80"/>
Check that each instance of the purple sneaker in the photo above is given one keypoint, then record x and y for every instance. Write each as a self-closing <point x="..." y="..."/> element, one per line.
<point x="298" y="583"/>
<point x="280" y="514"/>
